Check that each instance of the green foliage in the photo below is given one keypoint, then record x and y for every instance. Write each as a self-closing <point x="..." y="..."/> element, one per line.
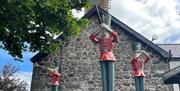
<point x="35" y="22"/>
<point x="83" y="23"/>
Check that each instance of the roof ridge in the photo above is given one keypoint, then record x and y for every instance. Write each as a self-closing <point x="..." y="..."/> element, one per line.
<point x="169" y="44"/>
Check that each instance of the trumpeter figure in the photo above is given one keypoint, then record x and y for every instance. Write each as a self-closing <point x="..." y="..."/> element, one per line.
<point x="138" y="60"/>
<point x="106" y="42"/>
<point x="52" y="73"/>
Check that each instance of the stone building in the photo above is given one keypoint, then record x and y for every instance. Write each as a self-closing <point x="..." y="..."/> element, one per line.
<point x="80" y="68"/>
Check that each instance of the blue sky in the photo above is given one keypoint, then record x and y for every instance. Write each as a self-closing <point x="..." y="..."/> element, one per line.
<point x="147" y="17"/>
<point x="23" y="66"/>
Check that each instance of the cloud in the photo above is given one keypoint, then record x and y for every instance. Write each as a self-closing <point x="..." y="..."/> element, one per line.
<point x="78" y="14"/>
<point x="25" y="68"/>
<point x="150" y="17"/>
<point x="25" y="76"/>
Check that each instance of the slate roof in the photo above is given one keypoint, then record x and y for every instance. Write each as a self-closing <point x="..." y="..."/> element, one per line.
<point x="175" y="49"/>
<point x="172" y="76"/>
<point x="125" y="28"/>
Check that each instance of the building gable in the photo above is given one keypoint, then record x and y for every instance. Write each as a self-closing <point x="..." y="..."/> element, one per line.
<point x="122" y="26"/>
<point x="80" y="69"/>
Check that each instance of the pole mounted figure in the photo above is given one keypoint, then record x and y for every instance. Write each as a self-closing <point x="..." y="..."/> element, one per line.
<point x="106" y="42"/>
<point x="53" y="73"/>
<point x="138" y="62"/>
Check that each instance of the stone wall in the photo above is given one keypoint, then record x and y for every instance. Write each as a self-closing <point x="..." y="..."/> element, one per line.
<point x="80" y="68"/>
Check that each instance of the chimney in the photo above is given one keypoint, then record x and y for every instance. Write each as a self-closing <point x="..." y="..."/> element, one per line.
<point x="105" y="4"/>
<point x="93" y="2"/>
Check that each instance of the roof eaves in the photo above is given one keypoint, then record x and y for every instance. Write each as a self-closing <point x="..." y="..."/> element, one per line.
<point x="38" y="56"/>
<point x="176" y="58"/>
<point x="172" y="76"/>
<point x="132" y="32"/>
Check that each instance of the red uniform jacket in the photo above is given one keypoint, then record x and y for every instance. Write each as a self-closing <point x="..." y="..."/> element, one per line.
<point x="138" y="66"/>
<point x="55" y="78"/>
<point x="106" y="46"/>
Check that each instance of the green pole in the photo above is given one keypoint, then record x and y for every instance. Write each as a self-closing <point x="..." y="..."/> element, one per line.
<point x="109" y="64"/>
<point x="104" y="75"/>
<point x="110" y="74"/>
<point x="139" y="83"/>
<point x="107" y="74"/>
<point x="54" y="88"/>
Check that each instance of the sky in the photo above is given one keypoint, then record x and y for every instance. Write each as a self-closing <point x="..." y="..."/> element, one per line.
<point x="148" y="17"/>
<point x="25" y="68"/>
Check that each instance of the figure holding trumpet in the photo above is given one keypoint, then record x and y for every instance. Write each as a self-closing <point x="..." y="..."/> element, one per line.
<point x="138" y="61"/>
<point x="106" y="42"/>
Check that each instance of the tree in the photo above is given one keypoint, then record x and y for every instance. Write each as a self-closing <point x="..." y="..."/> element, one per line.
<point x="8" y="82"/>
<point x="31" y="24"/>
